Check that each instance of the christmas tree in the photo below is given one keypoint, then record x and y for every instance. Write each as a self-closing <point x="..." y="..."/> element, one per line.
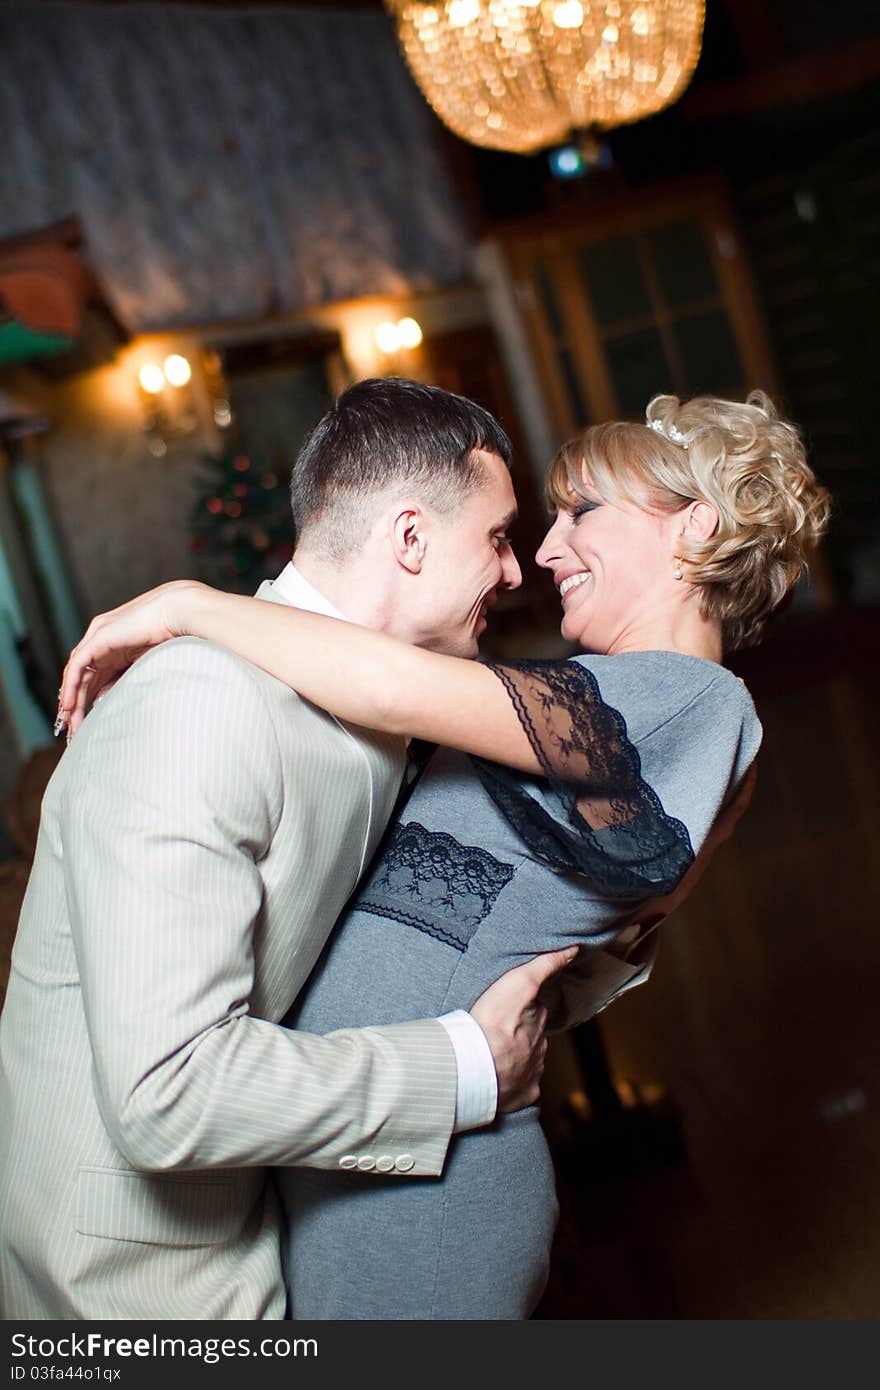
<point x="242" y="531"/>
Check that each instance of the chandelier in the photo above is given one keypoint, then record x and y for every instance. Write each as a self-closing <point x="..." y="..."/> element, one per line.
<point x="519" y="75"/>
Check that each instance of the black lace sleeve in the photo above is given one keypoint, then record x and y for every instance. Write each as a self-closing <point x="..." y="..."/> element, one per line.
<point x="599" y="817"/>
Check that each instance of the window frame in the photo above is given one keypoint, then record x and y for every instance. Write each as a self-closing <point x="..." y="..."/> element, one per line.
<point x="634" y="214"/>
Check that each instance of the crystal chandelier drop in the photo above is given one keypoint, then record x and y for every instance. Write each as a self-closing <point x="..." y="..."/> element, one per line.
<point x="520" y="75"/>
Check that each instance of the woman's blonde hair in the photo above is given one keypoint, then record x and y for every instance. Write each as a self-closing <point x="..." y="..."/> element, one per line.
<point x="739" y="456"/>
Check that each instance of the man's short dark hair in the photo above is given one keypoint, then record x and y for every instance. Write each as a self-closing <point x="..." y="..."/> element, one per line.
<point x="382" y="431"/>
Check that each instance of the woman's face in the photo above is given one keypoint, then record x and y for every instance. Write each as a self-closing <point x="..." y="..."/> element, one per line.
<point x="613" y="567"/>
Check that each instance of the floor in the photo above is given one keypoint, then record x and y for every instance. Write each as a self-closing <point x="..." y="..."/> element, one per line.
<point x="771" y="1207"/>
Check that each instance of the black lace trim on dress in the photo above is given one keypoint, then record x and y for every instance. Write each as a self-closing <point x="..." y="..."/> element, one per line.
<point x="607" y="823"/>
<point x="428" y="879"/>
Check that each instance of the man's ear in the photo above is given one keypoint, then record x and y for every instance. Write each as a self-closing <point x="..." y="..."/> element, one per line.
<point x="700" y="521"/>
<point x="408" y="537"/>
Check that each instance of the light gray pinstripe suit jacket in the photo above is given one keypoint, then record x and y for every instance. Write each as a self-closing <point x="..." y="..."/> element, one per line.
<point x="198" y="840"/>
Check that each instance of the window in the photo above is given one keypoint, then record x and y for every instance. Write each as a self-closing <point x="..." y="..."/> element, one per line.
<point x="650" y="294"/>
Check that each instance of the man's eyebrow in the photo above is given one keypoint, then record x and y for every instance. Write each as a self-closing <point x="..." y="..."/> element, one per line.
<point x="506" y="522"/>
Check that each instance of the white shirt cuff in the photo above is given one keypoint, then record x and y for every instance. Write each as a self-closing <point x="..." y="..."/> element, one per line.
<point x="477" y="1096"/>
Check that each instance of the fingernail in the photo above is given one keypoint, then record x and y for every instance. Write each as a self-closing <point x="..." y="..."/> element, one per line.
<point x="60" y="722"/>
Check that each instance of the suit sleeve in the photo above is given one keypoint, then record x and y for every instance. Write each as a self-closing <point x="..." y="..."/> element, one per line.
<point x="165" y="822"/>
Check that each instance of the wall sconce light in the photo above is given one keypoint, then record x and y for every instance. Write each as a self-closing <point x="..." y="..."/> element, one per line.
<point x="166" y="397"/>
<point x="392" y="338"/>
<point x="176" y="369"/>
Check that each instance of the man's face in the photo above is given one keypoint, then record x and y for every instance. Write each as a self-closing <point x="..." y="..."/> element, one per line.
<point x="467" y="562"/>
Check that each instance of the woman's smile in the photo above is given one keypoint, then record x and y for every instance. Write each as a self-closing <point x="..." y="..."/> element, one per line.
<point x="573" y="581"/>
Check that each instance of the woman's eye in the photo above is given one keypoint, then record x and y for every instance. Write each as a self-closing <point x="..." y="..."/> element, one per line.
<point x="582" y="508"/>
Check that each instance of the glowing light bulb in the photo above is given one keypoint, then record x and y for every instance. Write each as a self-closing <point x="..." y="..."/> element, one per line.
<point x="462" y="12"/>
<point x="151" y="378"/>
<point x="387" y="337"/>
<point x="569" y="15"/>
<point x="177" y="370"/>
<point x="409" y="333"/>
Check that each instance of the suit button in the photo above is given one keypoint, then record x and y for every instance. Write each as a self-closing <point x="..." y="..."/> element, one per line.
<point x="348" y="1161"/>
<point x="404" y="1163"/>
<point x="367" y="1163"/>
<point x="384" y="1164"/>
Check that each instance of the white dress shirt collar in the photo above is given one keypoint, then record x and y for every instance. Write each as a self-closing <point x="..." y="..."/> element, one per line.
<point x="299" y="592"/>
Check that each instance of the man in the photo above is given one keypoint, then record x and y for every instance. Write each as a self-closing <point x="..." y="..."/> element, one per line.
<point x="197" y="843"/>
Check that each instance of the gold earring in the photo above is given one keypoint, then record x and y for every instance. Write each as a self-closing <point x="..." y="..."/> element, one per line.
<point x="677" y="571"/>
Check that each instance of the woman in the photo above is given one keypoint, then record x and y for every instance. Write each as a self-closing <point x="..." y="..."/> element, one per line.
<point x="673" y="541"/>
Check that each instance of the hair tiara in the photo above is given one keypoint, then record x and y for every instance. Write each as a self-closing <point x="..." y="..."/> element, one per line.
<point x="671" y="432"/>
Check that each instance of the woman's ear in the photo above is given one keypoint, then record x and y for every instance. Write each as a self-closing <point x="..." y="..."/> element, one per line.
<point x="700" y="521"/>
<point x="408" y="538"/>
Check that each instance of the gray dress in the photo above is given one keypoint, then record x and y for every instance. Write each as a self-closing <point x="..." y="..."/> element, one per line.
<point x="482" y="869"/>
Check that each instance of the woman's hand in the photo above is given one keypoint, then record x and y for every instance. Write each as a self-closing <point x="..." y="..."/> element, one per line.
<point x="114" y="640"/>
